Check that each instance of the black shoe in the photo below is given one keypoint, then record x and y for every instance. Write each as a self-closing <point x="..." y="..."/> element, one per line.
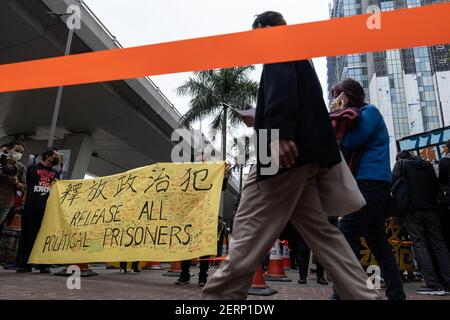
<point x="182" y="281"/>
<point x="335" y="296"/>
<point x="24" y="270"/>
<point x="431" y="291"/>
<point x="123" y="271"/>
<point x="322" y="281"/>
<point x="11" y="266"/>
<point x="201" y="282"/>
<point x="44" y="270"/>
<point x="135" y="267"/>
<point x="302" y="281"/>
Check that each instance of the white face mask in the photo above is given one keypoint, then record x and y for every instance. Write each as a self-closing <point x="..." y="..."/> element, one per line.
<point x="16" y="155"/>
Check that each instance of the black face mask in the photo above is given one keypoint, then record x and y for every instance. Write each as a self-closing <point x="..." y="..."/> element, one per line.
<point x="55" y="162"/>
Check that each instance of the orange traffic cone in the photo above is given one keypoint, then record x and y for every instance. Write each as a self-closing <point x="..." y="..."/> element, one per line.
<point x="259" y="287"/>
<point x="175" y="269"/>
<point x="153" y="265"/>
<point x="15" y="223"/>
<point x="276" y="270"/>
<point x="84" y="269"/>
<point x="286" y="258"/>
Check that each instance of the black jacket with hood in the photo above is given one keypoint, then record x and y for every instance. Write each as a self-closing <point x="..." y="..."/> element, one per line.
<point x="423" y="184"/>
<point x="444" y="170"/>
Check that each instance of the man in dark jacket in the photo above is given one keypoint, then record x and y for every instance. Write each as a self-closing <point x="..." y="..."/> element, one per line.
<point x="444" y="166"/>
<point x="300" y="115"/>
<point x="40" y="178"/>
<point x="444" y="206"/>
<point x="422" y="222"/>
<point x="290" y="101"/>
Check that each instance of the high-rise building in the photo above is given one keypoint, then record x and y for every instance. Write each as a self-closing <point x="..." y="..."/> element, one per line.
<point x="411" y="87"/>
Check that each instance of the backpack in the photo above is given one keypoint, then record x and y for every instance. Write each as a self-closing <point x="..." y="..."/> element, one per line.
<point x="399" y="191"/>
<point x="443" y="196"/>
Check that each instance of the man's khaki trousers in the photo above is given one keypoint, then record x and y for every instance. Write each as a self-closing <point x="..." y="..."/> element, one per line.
<point x="264" y="211"/>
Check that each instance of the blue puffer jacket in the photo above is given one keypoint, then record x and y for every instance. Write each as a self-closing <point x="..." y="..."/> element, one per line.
<point x="370" y="137"/>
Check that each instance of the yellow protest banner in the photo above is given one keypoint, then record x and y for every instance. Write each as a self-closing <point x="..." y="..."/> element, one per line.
<point x="162" y="212"/>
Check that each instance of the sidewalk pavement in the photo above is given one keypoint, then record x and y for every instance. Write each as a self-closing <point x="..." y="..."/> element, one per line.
<point x="151" y="285"/>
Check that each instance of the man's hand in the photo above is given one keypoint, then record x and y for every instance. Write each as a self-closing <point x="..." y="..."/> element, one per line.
<point x="248" y="120"/>
<point x="284" y="152"/>
<point x="14" y="180"/>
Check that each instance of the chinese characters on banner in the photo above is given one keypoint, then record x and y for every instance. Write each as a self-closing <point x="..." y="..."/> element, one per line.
<point x="162" y="212"/>
<point x="401" y="249"/>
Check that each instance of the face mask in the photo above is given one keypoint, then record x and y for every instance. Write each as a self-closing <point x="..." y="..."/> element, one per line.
<point x="55" y="162"/>
<point x="16" y="155"/>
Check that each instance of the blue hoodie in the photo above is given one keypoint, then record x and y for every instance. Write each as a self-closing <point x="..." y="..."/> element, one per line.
<point x="370" y="136"/>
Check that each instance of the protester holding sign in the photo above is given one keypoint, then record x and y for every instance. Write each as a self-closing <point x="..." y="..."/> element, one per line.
<point x="40" y="178"/>
<point x="12" y="177"/>
<point x="161" y="212"/>
<point x="185" y="275"/>
<point x="15" y="191"/>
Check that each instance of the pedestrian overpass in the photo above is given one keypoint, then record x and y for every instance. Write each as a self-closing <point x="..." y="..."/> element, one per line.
<point x="108" y="127"/>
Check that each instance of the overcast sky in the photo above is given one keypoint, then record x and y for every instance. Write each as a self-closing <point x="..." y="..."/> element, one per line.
<point x="140" y="22"/>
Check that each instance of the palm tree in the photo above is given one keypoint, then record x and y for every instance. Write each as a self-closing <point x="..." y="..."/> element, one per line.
<point x="211" y="91"/>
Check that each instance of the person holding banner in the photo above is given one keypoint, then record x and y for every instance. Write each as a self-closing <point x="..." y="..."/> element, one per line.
<point x="16" y="194"/>
<point x="12" y="177"/>
<point x="185" y="275"/>
<point x="40" y="178"/>
<point x="290" y="102"/>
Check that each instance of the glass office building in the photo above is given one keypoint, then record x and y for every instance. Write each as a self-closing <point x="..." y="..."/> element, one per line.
<point x="411" y="87"/>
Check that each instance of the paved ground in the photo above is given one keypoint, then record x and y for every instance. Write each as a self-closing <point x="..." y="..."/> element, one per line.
<point x="150" y="284"/>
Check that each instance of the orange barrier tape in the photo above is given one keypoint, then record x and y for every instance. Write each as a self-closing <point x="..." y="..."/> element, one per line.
<point x="404" y="28"/>
<point x="213" y="259"/>
<point x="404" y="243"/>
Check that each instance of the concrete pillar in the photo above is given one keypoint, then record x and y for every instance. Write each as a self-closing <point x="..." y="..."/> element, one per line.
<point x="33" y="147"/>
<point x="4" y="140"/>
<point x="81" y="147"/>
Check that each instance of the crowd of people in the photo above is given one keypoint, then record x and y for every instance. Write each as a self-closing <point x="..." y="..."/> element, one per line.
<point x="313" y="147"/>
<point x="31" y="187"/>
<point x="290" y="100"/>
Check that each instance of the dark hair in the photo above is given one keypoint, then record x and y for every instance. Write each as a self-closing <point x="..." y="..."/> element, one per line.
<point x="353" y="90"/>
<point x="48" y="153"/>
<point x="403" y="155"/>
<point x="14" y="143"/>
<point x="447" y="144"/>
<point x="268" y="19"/>
<point x="4" y="145"/>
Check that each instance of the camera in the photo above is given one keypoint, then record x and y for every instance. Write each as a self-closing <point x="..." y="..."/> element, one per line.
<point x="8" y="165"/>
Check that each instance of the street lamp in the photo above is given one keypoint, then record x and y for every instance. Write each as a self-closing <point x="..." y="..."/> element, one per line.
<point x="60" y="89"/>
